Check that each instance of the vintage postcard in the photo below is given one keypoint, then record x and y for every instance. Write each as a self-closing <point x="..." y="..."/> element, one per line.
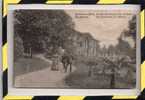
<point x="74" y="48"/>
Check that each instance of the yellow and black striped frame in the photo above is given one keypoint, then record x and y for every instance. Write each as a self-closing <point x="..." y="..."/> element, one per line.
<point x="4" y="49"/>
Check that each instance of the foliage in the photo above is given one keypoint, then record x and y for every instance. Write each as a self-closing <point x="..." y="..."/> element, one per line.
<point x="42" y="29"/>
<point x="123" y="47"/>
<point x="132" y="26"/>
<point x="131" y="31"/>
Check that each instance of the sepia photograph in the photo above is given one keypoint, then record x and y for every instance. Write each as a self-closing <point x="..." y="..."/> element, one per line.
<point x="74" y="48"/>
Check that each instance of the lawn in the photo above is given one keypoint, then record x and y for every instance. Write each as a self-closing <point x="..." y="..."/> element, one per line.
<point x="26" y="65"/>
<point x="80" y="79"/>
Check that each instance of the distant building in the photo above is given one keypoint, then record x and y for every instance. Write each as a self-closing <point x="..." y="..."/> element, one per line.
<point x="85" y="44"/>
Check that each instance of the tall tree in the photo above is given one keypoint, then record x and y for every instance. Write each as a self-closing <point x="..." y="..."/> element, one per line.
<point x="38" y="26"/>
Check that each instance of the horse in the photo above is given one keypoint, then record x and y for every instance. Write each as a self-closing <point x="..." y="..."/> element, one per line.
<point x="67" y="62"/>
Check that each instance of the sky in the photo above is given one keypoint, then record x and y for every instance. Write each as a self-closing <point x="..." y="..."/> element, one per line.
<point x="105" y="28"/>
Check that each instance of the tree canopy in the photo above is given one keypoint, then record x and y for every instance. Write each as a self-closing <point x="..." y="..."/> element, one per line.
<point x="38" y="26"/>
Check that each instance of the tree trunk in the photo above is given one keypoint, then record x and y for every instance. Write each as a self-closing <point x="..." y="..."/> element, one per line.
<point x="112" y="81"/>
<point x="90" y="71"/>
<point x="30" y="52"/>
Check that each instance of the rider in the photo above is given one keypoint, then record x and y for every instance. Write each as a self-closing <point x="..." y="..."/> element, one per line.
<point x="67" y="60"/>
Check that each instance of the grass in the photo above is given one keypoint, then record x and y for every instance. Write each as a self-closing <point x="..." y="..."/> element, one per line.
<point x="26" y="65"/>
<point x="80" y="79"/>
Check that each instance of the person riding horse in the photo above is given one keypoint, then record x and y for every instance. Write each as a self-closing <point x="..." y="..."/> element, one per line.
<point x="67" y="61"/>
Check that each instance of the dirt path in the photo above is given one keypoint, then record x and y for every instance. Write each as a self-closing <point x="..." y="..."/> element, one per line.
<point x="43" y="78"/>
